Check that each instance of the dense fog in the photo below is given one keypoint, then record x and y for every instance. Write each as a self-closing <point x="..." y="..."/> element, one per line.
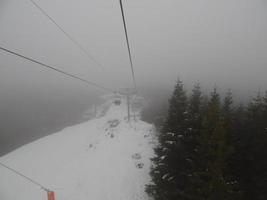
<point x="27" y="116"/>
<point x="220" y="43"/>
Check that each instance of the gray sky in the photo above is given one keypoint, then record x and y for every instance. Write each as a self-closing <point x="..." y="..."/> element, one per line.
<point x="213" y="41"/>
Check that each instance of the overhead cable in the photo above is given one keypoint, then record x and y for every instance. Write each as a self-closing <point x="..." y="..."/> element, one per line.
<point x="128" y="45"/>
<point x="55" y="69"/>
<point x="71" y="38"/>
<point x="25" y="177"/>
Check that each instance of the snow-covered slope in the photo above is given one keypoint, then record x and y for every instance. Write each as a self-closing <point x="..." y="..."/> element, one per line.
<point x="103" y="159"/>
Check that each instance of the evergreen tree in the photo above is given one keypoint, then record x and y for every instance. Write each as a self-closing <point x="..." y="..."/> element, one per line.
<point x="209" y="178"/>
<point x="227" y="110"/>
<point x="190" y="142"/>
<point x="227" y="116"/>
<point x="209" y="151"/>
<point x="231" y="141"/>
<point x="253" y="151"/>
<point x="168" y="172"/>
<point x="195" y="116"/>
<point x="177" y="110"/>
<point x="195" y="102"/>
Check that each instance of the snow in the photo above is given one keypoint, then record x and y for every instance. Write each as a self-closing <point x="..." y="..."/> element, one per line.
<point x="105" y="158"/>
<point x="170" y="142"/>
<point x="172" y="134"/>
<point x="189" y="160"/>
<point x="165" y="149"/>
<point x="165" y="176"/>
<point x="162" y="157"/>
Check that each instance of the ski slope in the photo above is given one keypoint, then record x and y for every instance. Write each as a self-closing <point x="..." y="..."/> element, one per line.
<point x="105" y="158"/>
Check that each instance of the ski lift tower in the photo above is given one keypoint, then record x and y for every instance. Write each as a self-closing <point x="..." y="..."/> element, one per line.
<point x="128" y="92"/>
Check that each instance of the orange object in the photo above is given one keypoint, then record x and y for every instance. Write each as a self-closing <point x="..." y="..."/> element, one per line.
<point x="50" y="195"/>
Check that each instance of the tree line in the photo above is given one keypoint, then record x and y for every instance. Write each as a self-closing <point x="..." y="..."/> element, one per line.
<point x="209" y="148"/>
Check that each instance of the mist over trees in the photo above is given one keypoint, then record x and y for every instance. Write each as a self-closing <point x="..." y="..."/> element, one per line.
<point x="156" y="107"/>
<point x="211" y="148"/>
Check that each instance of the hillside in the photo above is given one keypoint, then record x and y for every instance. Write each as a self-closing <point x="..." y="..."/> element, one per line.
<point x="101" y="159"/>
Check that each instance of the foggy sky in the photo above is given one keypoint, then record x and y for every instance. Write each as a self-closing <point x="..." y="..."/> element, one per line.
<point x="212" y="41"/>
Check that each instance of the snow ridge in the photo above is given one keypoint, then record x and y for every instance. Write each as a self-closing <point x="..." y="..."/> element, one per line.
<point x="105" y="158"/>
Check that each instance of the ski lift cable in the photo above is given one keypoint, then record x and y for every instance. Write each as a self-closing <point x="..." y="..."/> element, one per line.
<point x="71" y="38"/>
<point x="55" y="69"/>
<point x="25" y="177"/>
<point x="128" y="44"/>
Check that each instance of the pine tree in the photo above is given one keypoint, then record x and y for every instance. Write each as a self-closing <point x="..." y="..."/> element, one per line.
<point x="190" y="139"/>
<point x="231" y="118"/>
<point x="195" y="101"/>
<point x="168" y="171"/>
<point x="194" y="119"/>
<point x="195" y="111"/>
<point x="177" y="109"/>
<point x="209" y="151"/>
<point x="227" y="109"/>
<point x="209" y="179"/>
<point x="253" y="151"/>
